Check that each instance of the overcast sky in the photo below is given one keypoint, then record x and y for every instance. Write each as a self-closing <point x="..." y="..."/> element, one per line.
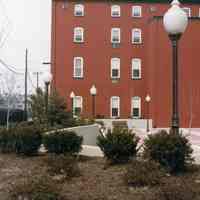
<point x="25" y="24"/>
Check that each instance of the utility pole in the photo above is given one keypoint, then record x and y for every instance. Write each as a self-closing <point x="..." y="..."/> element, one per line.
<point x="37" y="77"/>
<point x="25" y="83"/>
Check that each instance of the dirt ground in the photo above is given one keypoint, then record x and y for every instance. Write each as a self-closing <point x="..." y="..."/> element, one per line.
<point x="94" y="183"/>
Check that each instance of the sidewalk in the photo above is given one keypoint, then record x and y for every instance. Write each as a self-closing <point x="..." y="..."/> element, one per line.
<point x="194" y="138"/>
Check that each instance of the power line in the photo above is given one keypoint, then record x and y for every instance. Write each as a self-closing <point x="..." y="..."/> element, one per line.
<point x="10" y="68"/>
<point x="5" y="24"/>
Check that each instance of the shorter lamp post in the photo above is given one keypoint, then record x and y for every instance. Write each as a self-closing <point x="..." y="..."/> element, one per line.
<point x="148" y="99"/>
<point x="72" y="95"/>
<point x="175" y="23"/>
<point x="47" y="80"/>
<point x="93" y="92"/>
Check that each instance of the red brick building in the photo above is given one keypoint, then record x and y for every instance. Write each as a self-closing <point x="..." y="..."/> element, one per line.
<point x="121" y="48"/>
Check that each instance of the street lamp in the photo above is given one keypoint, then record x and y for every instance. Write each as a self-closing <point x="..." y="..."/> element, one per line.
<point x="148" y="99"/>
<point x="175" y="23"/>
<point x="72" y="95"/>
<point x="47" y="79"/>
<point x="93" y="92"/>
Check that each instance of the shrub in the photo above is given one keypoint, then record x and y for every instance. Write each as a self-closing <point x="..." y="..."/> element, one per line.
<point x="142" y="173"/>
<point x="63" y="164"/>
<point x="7" y="141"/>
<point x="62" y="142"/>
<point x="27" y="140"/>
<point x="39" y="187"/>
<point x="118" y="146"/>
<point x="173" y="151"/>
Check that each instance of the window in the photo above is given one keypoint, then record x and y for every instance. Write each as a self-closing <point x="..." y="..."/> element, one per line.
<point x="115" y="11"/>
<point x="136" y="68"/>
<point x="77" y="105"/>
<point x="78" y="67"/>
<point x="79" y="10"/>
<point x="136" y="36"/>
<point x="115" y="107"/>
<point x="136" y="11"/>
<point x="78" y="34"/>
<point x="188" y="11"/>
<point x="136" y="107"/>
<point x="115" y="35"/>
<point x="115" y="68"/>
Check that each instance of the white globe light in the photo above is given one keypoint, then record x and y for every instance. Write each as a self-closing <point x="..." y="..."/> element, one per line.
<point x="175" y="19"/>
<point x="72" y="95"/>
<point x="47" y="77"/>
<point x="93" y="90"/>
<point x="148" y="98"/>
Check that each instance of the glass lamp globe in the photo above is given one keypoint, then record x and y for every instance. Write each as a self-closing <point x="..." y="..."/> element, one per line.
<point x="93" y="90"/>
<point x="72" y="95"/>
<point x="47" y="77"/>
<point x="148" y="98"/>
<point x="175" y="19"/>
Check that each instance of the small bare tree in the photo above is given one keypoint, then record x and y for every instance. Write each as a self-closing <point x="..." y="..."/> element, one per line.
<point x="10" y="93"/>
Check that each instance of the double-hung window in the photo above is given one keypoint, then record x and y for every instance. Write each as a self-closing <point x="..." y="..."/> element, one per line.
<point x="78" y="67"/>
<point x="115" y="68"/>
<point x="78" y="35"/>
<point x="136" y="68"/>
<point x="115" y="11"/>
<point x="115" y="106"/>
<point x="136" y="11"/>
<point x="79" y="10"/>
<point x="136" y="36"/>
<point x="77" y="105"/>
<point x="115" y="35"/>
<point x="187" y="11"/>
<point x="136" y="107"/>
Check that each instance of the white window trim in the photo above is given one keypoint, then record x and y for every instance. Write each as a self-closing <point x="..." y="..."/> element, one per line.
<point x="189" y="9"/>
<point x="77" y="7"/>
<point x="74" y="67"/>
<point x="133" y="33"/>
<point x="113" y="67"/>
<point x="113" y="117"/>
<point x="140" y="68"/>
<point x="136" y="7"/>
<point x="132" y="106"/>
<point x="74" y="104"/>
<point x="114" y="8"/>
<point x="82" y="34"/>
<point x="119" y="31"/>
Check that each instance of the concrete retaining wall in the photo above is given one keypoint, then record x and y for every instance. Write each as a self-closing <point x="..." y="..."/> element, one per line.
<point x="89" y="133"/>
<point x="132" y="123"/>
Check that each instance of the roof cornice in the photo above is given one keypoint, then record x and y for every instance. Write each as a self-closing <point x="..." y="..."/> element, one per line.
<point x="141" y="1"/>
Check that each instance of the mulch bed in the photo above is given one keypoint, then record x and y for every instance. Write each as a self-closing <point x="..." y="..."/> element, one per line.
<point x="95" y="182"/>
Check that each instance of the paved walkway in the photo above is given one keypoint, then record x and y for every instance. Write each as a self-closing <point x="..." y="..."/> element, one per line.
<point x="193" y="135"/>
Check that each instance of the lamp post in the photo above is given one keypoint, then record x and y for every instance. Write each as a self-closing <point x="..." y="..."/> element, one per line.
<point x="47" y="79"/>
<point x="148" y="99"/>
<point x="175" y="22"/>
<point x="93" y="92"/>
<point x="72" y="95"/>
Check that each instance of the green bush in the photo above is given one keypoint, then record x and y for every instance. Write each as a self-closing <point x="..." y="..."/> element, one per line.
<point x="173" y="151"/>
<point x="62" y="142"/>
<point x="118" y="146"/>
<point x="7" y="141"/>
<point x="62" y="164"/>
<point x="27" y="140"/>
<point x="142" y="173"/>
